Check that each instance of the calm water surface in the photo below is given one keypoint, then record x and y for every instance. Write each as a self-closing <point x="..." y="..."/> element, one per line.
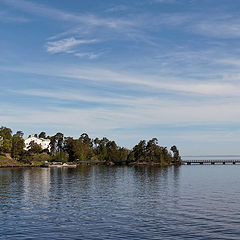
<point x="189" y="202"/>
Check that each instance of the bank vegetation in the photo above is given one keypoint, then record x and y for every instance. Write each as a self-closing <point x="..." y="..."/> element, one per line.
<point x="82" y="150"/>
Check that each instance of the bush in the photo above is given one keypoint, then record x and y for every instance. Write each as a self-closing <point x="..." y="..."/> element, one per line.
<point x="59" y="157"/>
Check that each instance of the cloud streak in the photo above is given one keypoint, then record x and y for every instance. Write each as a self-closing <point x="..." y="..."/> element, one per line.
<point x="53" y="13"/>
<point x="66" y="45"/>
<point x="152" y="82"/>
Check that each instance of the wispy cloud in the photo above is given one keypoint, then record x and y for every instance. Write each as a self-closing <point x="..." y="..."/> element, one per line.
<point x="142" y="114"/>
<point x="89" y="55"/>
<point x="66" y="45"/>
<point x="179" y="85"/>
<point x="218" y="26"/>
<point x="164" y="1"/>
<point x="53" y="13"/>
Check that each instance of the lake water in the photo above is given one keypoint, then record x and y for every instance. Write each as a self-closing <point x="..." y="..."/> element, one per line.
<point x="187" y="202"/>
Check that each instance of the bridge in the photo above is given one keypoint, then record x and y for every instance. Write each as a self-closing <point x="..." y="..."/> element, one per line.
<point x="212" y="162"/>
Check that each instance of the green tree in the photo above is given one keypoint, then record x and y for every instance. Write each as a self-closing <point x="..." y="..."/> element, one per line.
<point x="19" y="134"/>
<point x="74" y="148"/>
<point x="59" y="140"/>
<point x="6" y="146"/>
<point x="87" y="146"/>
<point x="139" y="151"/>
<point x="6" y="133"/>
<point x="100" y="149"/>
<point x="42" y="135"/>
<point x="34" y="147"/>
<point x="153" y="151"/>
<point x="53" y="144"/>
<point x="176" y="157"/>
<point x="17" y="146"/>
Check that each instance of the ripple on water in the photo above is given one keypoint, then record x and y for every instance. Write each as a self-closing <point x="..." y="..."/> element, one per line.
<point x="197" y="202"/>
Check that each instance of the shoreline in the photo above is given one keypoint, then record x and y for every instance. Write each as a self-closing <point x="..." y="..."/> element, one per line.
<point x="90" y="164"/>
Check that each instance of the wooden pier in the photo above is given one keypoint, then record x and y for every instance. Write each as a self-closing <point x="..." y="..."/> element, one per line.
<point x="212" y="162"/>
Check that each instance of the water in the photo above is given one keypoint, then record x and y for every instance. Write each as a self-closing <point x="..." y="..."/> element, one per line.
<point x="188" y="202"/>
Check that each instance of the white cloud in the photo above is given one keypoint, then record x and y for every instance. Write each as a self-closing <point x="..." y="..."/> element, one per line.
<point x="52" y="13"/>
<point x="223" y="26"/>
<point x="179" y="85"/>
<point x="110" y="118"/>
<point x="88" y="55"/>
<point x="66" y="45"/>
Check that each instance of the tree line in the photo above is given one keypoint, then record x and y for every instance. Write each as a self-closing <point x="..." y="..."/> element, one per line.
<point x="85" y="149"/>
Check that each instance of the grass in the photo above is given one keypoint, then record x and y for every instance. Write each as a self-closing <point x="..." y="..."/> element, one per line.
<point x="6" y="162"/>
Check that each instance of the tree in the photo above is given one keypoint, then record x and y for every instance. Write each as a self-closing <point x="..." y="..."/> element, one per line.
<point x="6" y="133"/>
<point x="139" y="151"/>
<point x="26" y="157"/>
<point x="42" y="135"/>
<point x="100" y="149"/>
<point x="176" y="157"/>
<point x="86" y="140"/>
<point x="59" y="137"/>
<point x="153" y="151"/>
<point x="34" y="147"/>
<point x="112" y="152"/>
<point x="6" y="146"/>
<point x="74" y="148"/>
<point x="57" y="143"/>
<point x="17" y="146"/>
<point x="18" y="134"/>
<point x="53" y="144"/>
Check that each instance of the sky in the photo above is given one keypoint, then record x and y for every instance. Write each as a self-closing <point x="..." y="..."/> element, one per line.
<point x="125" y="70"/>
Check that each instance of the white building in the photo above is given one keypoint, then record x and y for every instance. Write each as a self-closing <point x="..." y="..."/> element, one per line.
<point x="44" y="143"/>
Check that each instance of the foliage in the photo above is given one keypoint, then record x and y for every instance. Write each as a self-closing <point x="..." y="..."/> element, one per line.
<point x="18" y="134"/>
<point x="85" y="149"/>
<point x="176" y="157"/>
<point x="42" y="135"/>
<point x="17" y="146"/>
<point x="26" y="157"/>
<point x="59" y="157"/>
<point x="6" y="133"/>
<point x="34" y="147"/>
<point x="6" y="146"/>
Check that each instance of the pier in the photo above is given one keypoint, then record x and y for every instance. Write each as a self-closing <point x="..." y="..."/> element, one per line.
<point x="212" y="162"/>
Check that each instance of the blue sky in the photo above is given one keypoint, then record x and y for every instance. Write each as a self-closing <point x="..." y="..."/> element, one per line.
<point x="127" y="70"/>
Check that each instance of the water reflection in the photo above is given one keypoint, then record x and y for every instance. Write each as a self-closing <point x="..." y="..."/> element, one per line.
<point x="120" y="203"/>
<point x="36" y="182"/>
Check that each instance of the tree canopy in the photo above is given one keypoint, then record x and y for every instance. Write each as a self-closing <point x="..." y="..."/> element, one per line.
<point x="85" y="149"/>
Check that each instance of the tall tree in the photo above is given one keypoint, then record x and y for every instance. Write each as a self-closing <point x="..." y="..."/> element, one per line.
<point x="17" y="146"/>
<point x="34" y="147"/>
<point x="42" y="135"/>
<point x="139" y="151"/>
<point x="6" y="146"/>
<point x="6" y="133"/>
<point x="18" y="134"/>
<point x="176" y="157"/>
<point x="59" y="137"/>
